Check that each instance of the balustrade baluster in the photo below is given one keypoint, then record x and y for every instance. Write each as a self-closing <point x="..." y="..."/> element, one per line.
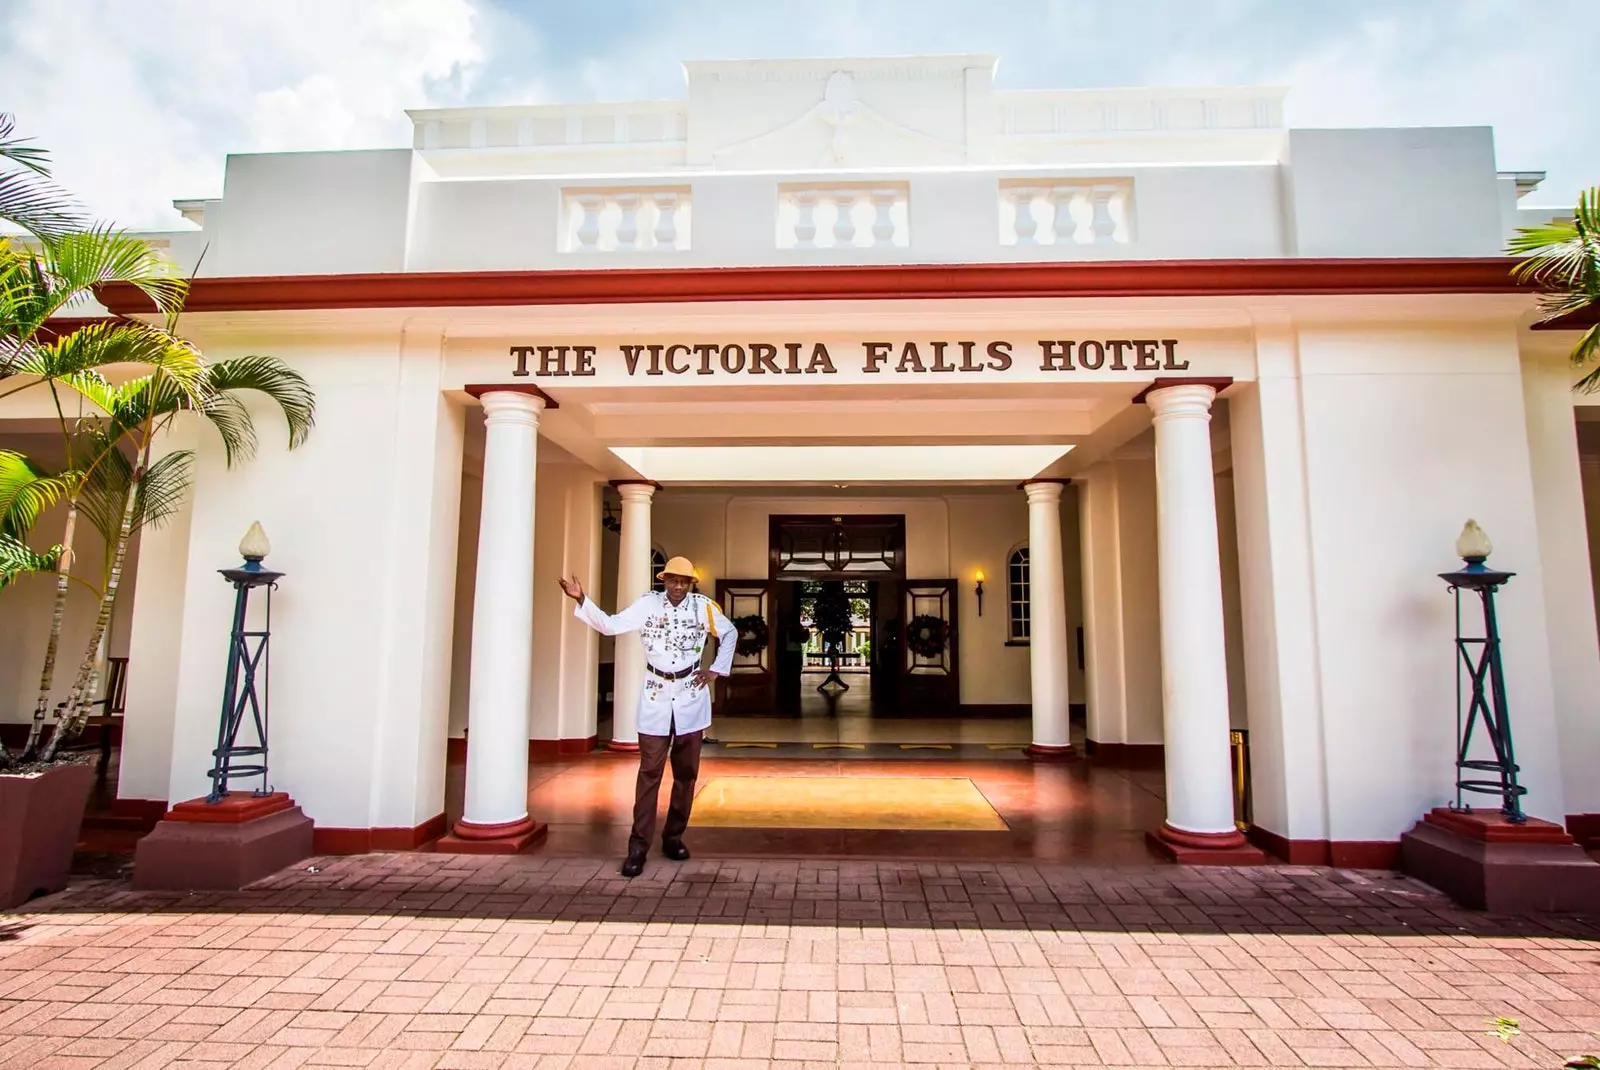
<point x="883" y="201"/>
<point x="666" y="235"/>
<point x="628" y="224"/>
<point x="844" y="224"/>
<point x="805" y="225"/>
<point x="589" y="226"/>
<point x="1027" y="226"/>
<point x="1105" y="228"/>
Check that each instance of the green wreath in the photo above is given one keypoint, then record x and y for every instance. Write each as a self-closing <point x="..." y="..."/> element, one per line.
<point x="927" y="636"/>
<point x="753" y="635"/>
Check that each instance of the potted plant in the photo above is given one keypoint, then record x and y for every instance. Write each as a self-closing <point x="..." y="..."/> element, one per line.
<point x="110" y="474"/>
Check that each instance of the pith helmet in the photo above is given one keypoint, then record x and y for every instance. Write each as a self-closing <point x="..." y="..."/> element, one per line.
<point x="678" y="566"/>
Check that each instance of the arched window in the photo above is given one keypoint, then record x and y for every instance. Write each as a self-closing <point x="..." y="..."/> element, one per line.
<point x="1017" y="594"/>
<point x="658" y="561"/>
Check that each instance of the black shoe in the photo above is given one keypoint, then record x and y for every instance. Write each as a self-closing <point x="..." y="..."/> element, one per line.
<point x="675" y="850"/>
<point x="633" y="865"/>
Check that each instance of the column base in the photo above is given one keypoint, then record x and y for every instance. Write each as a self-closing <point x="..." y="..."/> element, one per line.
<point x="1205" y="848"/>
<point x="201" y="846"/>
<point x="1052" y="752"/>
<point x="616" y="747"/>
<point x="507" y="838"/>
<point x="1485" y="862"/>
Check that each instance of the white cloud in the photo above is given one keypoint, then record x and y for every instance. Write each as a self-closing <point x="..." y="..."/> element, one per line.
<point x="139" y="103"/>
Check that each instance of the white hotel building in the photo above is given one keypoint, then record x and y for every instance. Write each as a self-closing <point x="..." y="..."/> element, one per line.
<point x="1206" y="400"/>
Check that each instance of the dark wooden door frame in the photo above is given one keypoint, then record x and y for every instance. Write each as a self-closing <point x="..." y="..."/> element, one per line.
<point x="776" y="521"/>
<point x="763" y="693"/>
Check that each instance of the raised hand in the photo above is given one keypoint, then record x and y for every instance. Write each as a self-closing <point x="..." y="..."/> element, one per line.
<point x="572" y="589"/>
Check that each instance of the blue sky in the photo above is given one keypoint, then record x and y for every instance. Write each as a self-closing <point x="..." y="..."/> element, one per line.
<point x="141" y="101"/>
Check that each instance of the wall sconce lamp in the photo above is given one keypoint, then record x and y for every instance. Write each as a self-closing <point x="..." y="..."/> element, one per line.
<point x="979" y="578"/>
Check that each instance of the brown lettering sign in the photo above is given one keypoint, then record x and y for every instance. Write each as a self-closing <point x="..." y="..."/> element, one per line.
<point x="1065" y="356"/>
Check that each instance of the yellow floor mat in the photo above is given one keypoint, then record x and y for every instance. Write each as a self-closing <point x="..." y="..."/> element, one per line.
<point x="845" y="802"/>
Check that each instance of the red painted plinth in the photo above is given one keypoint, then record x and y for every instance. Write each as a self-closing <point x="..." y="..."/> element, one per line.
<point x="222" y="846"/>
<point x="1495" y="827"/>
<point x="234" y="808"/>
<point x="1483" y="861"/>
<point x="1050" y="752"/>
<point x="1205" y="848"/>
<point x="622" y="748"/>
<point x="507" y="838"/>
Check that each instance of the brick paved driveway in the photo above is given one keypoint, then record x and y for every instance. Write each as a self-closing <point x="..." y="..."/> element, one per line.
<point x="442" y="961"/>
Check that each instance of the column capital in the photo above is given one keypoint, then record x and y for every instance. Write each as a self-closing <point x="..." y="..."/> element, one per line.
<point x="636" y="490"/>
<point x="1216" y="384"/>
<point x="482" y="390"/>
<point x="1043" y="490"/>
<point x="1184" y="400"/>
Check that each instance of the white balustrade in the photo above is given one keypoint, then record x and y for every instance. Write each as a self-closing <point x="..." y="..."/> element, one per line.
<point x="843" y="217"/>
<point x="1066" y="213"/>
<point x="625" y="220"/>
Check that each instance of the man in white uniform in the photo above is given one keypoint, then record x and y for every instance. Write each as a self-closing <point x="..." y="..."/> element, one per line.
<point x="675" y="708"/>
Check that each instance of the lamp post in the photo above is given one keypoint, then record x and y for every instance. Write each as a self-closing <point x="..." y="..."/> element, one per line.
<point x="1480" y="657"/>
<point x="247" y="656"/>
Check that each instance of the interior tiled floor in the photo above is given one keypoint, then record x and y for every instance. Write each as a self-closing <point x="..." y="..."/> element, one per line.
<point x="1054" y="812"/>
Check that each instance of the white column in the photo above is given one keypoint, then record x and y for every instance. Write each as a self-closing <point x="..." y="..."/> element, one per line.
<point x="1047" y="621"/>
<point x="502" y="624"/>
<point x="1194" y="667"/>
<point x="633" y="580"/>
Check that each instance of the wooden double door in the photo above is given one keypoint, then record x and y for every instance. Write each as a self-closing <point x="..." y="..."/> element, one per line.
<point x="914" y="663"/>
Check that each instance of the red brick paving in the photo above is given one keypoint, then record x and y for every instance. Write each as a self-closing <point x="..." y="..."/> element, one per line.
<point x="424" y="960"/>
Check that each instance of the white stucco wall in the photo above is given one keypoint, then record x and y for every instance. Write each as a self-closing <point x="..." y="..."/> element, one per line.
<point x="364" y="525"/>
<point x="1410" y="430"/>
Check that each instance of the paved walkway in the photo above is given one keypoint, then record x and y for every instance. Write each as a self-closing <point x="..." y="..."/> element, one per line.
<point x="425" y="960"/>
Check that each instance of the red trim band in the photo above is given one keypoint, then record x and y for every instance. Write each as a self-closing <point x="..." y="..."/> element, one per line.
<point x="1112" y="278"/>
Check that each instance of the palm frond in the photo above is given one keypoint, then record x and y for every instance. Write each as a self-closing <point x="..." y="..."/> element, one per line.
<point x="18" y="559"/>
<point x="74" y="359"/>
<point x="27" y="489"/>
<point x="1587" y="349"/>
<point x="272" y="377"/>
<point x="231" y="420"/>
<point x="162" y="489"/>
<point x="105" y="494"/>
<point x="86" y="259"/>
<point x="18" y="150"/>
<point x="38" y="206"/>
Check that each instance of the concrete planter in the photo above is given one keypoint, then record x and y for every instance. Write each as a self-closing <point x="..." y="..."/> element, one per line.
<point x="40" y="815"/>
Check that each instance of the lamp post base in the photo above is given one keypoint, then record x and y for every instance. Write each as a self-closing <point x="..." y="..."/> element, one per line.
<point x="1205" y="848"/>
<point x="224" y="845"/>
<point x="1485" y="862"/>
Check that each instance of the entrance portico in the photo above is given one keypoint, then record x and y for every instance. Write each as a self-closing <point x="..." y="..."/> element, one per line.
<point x="1248" y="408"/>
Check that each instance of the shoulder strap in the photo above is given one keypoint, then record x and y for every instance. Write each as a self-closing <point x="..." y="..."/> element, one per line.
<point x="711" y="620"/>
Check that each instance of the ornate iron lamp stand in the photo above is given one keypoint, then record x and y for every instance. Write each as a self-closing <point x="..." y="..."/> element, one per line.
<point x="1481" y="669"/>
<point x="245" y="690"/>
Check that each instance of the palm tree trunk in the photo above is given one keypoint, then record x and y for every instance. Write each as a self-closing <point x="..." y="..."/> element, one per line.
<point x="82" y="693"/>
<point x="58" y="614"/>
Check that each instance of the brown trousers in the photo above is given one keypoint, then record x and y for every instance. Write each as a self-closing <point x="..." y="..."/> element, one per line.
<point x="653" y="750"/>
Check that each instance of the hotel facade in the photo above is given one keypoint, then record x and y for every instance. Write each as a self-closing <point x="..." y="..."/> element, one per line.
<point x="1204" y="400"/>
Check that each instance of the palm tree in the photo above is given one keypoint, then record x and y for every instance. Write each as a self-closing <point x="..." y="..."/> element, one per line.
<point x="67" y="367"/>
<point x="126" y="495"/>
<point x="1563" y="258"/>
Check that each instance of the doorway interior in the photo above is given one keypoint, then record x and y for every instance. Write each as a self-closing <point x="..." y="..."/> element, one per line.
<point x="841" y="652"/>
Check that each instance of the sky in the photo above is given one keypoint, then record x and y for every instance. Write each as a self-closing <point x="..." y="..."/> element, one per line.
<point x="140" y="102"/>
